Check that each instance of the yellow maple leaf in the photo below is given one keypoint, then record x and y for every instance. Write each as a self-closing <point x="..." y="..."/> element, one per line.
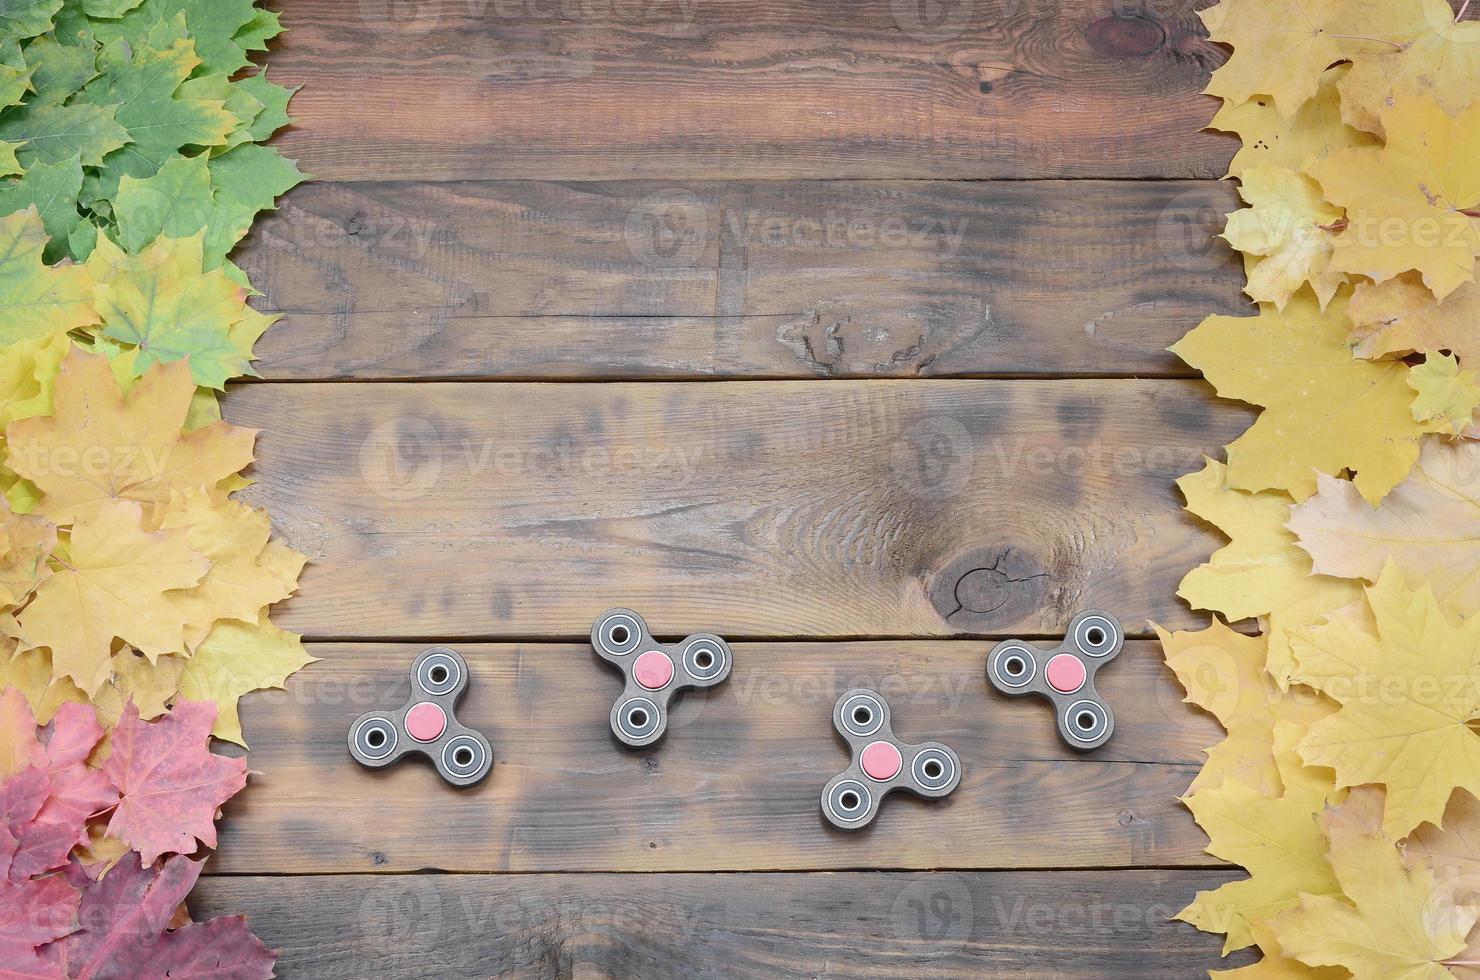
<point x="1292" y="142"/>
<point x="1261" y="572"/>
<point x="1276" y="965"/>
<point x="1451" y="852"/>
<point x="1325" y="411"/>
<point x="149" y="684"/>
<point x="1276" y="839"/>
<point x="1446" y="396"/>
<point x="248" y="572"/>
<point x="1385" y="924"/>
<point x="103" y="446"/>
<point x="113" y="579"/>
<point x="37" y="300"/>
<point x="236" y="658"/>
<point x="25" y="544"/>
<point x="1428" y="527"/>
<point x="1417" y="46"/>
<point x="1285" y="224"/>
<point x="1406" y="685"/>
<point x="1401" y="315"/>
<point x="1224" y="673"/>
<point x="30" y="673"/>
<point x="1280" y="48"/>
<point x="28" y="372"/>
<point x="1408" y="202"/>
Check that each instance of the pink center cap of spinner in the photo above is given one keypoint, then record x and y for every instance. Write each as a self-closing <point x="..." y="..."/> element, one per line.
<point x="425" y="722"/>
<point x="1065" y="673"/>
<point x="880" y="760"/>
<point x="653" y="670"/>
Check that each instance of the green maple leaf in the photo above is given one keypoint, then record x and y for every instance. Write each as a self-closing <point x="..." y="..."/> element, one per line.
<point x="141" y="85"/>
<point x="108" y="8"/>
<point x="15" y="74"/>
<point x="247" y="180"/>
<point x="255" y="33"/>
<point x="274" y="100"/>
<point x="8" y="162"/>
<point x="241" y="103"/>
<point x="165" y="304"/>
<point x="51" y="188"/>
<point x="53" y="133"/>
<point x="213" y="25"/>
<point x="221" y="195"/>
<point x="59" y="71"/>
<point x="27" y="18"/>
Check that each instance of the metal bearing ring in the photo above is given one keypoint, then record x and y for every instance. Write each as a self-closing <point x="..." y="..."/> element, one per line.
<point x="438" y="674"/>
<point x="375" y="738"/>
<point x="845" y="792"/>
<point x="1085" y="710"/>
<point x="703" y="658"/>
<point x="638" y="718"/>
<point x="622" y="626"/>
<point x="463" y="756"/>
<point x="862" y="715"/>
<point x="1009" y="656"/>
<point x="1096" y="635"/>
<point x="935" y="761"/>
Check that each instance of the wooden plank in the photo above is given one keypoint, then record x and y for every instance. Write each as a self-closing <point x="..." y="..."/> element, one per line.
<point x="755" y="509"/>
<point x="451" y="89"/>
<point x="640" y="279"/>
<point x="1095" y="925"/>
<point x="735" y="783"/>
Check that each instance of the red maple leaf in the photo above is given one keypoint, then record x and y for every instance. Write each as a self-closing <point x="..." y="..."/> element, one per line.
<point x="36" y="912"/>
<point x="170" y="784"/>
<point x="77" y="791"/>
<point x="125" y="933"/>
<point x="44" y="807"/>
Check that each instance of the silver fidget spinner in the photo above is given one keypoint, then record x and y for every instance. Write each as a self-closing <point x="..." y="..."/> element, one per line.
<point x="426" y="724"/>
<point x="1065" y="675"/>
<point x="654" y="672"/>
<point x="881" y="763"/>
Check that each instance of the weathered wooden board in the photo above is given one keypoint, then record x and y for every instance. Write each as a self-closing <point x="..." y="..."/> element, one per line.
<point x="735" y="783"/>
<point x="793" y="279"/>
<point x="1095" y="925"/>
<point x="755" y="509"/>
<point x="448" y="89"/>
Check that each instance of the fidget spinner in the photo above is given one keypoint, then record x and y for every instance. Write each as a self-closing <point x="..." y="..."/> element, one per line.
<point x="426" y="724"/>
<point x="881" y="763"/>
<point x="654" y="672"/>
<point x="1065" y="675"/>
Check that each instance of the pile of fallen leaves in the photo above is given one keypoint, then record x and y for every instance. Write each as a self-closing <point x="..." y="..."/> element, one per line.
<point x="1347" y="782"/>
<point x="93" y="852"/>
<point x="132" y="585"/>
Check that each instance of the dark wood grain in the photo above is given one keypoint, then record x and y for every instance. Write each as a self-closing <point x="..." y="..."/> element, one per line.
<point x="735" y="783"/>
<point x="450" y="89"/>
<point x="1076" y="924"/>
<point x="793" y="279"/>
<point x="755" y="509"/>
